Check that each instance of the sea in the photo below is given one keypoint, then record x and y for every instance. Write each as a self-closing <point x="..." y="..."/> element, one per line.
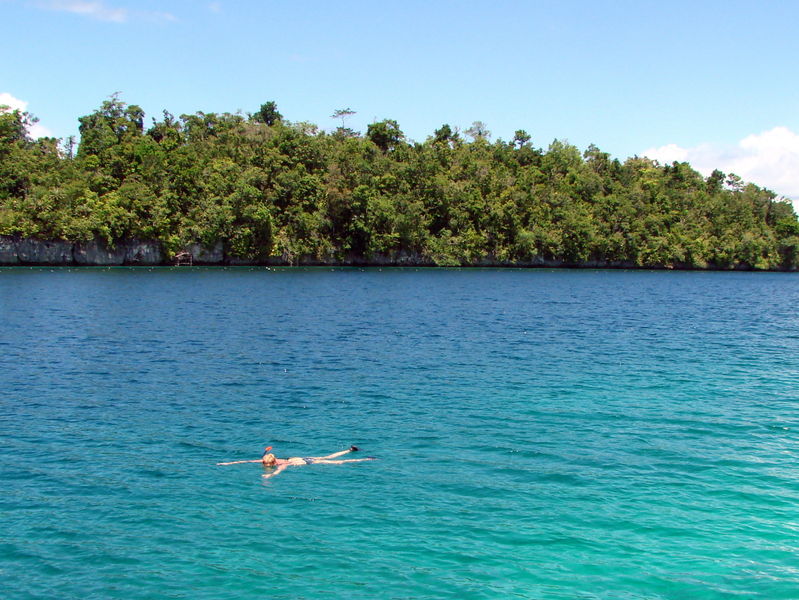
<point x="544" y="434"/>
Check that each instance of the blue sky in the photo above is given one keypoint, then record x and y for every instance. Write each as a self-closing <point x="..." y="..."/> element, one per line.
<point x="711" y="82"/>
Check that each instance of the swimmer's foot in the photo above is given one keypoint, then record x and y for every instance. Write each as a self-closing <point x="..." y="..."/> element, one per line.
<point x="354" y="448"/>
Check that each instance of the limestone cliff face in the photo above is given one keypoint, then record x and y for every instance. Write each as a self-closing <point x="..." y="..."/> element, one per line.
<point x="143" y="253"/>
<point x="8" y="251"/>
<point x="44" y="252"/>
<point x="31" y="251"/>
<point x="201" y="255"/>
<point x="96" y="253"/>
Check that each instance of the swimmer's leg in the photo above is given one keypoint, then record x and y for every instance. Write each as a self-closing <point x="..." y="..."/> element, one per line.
<point x="341" y="462"/>
<point x="334" y="455"/>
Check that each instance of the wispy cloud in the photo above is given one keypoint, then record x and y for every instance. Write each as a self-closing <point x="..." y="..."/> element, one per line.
<point x="94" y="10"/>
<point x="161" y="17"/>
<point x="769" y="159"/>
<point x="100" y="11"/>
<point x="36" y="130"/>
<point x="215" y="7"/>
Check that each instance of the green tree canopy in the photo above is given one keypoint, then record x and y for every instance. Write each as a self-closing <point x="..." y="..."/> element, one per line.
<point x="264" y="189"/>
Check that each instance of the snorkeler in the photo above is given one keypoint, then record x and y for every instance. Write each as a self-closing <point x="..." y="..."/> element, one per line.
<point x="281" y="464"/>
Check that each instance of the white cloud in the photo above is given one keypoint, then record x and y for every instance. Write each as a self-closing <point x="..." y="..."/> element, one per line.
<point x="13" y="103"/>
<point x="769" y="159"/>
<point x="99" y="10"/>
<point x="96" y="10"/>
<point x="35" y="130"/>
<point x="215" y="7"/>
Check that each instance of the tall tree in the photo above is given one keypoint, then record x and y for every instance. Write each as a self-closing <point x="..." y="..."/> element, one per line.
<point x="343" y="114"/>
<point x="385" y="134"/>
<point x="521" y="137"/>
<point x="478" y="131"/>
<point x="268" y="114"/>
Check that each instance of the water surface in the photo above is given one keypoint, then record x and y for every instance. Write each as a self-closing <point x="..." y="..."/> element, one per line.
<point x="540" y="434"/>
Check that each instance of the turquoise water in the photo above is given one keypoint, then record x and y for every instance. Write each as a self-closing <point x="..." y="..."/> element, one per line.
<point x="540" y="434"/>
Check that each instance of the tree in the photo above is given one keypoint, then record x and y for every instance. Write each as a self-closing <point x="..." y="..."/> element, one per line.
<point x="15" y="155"/>
<point x="385" y="134"/>
<point x="445" y="135"/>
<point x="293" y="192"/>
<point x="715" y="181"/>
<point x="13" y="125"/>
<point x="114" y="123"/>
<point x="69" y="147"/>
<point x="734" y="182"/>
<point x="478" y="131"/>
<point x="521" y="137"/>
<point x="268" y="114"/>
<point x="343" y="114"/>
<point x="168" y="133"/>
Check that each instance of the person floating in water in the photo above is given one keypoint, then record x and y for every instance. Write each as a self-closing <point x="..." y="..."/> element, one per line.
<point x="281" y="464"/>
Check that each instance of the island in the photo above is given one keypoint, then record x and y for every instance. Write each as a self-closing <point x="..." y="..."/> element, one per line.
<point x="257" y="189"/>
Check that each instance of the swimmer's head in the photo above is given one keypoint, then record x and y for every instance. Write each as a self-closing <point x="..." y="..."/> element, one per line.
<point x="269" y="460"/>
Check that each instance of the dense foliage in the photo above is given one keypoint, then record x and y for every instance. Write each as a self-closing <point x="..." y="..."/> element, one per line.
<point x="264" y="187"/>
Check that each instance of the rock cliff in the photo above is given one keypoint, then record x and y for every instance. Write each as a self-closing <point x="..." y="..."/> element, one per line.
<point x="31" y="251"/>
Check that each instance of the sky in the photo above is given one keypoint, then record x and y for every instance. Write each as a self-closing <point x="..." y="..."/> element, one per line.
<point x="709" y="82"/>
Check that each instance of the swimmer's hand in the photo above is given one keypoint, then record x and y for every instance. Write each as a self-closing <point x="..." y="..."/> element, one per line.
<point x="277" y="471"/>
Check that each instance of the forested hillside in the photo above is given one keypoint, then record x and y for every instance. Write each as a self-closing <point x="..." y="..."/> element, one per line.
<point x="267" y="190"/>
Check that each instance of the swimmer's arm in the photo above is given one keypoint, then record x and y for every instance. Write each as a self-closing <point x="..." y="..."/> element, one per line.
<point x="239" y="462"/>
<point x="277" y="471"/>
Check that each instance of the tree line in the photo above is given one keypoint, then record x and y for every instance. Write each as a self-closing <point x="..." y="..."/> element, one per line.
<point x="267" y="189"/>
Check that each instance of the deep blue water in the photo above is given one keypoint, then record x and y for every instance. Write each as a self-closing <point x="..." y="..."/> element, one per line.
<point x="540" y="434"/>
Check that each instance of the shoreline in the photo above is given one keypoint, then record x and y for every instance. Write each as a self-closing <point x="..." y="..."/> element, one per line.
<point x="33" y="252"/>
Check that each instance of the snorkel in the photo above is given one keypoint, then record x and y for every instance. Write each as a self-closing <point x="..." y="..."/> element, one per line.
<point x="269" y="460"/>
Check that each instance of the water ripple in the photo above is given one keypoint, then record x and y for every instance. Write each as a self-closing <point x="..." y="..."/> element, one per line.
<point x="540" y="434"/>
